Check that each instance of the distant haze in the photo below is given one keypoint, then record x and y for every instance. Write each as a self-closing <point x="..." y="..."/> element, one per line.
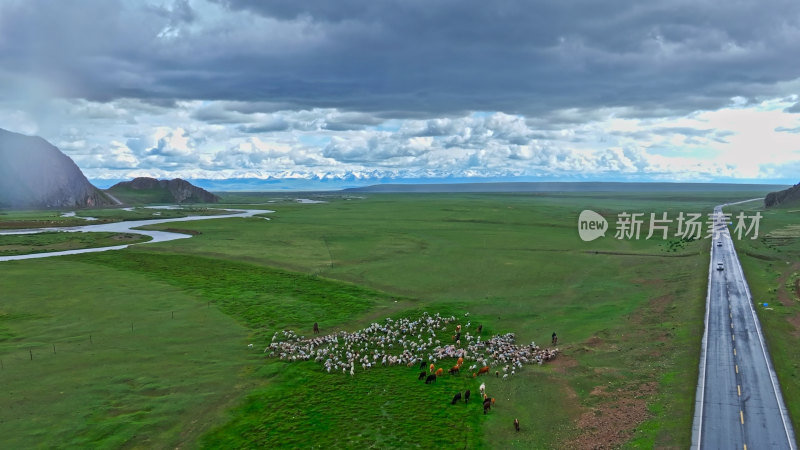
<point x="34" y="174"/>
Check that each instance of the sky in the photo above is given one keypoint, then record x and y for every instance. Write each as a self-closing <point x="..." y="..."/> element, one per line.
<point x="362" y="90"/>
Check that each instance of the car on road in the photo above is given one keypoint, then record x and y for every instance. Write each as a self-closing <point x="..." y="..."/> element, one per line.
<point x="720" y="267"/>
<point x="719" y="243"/>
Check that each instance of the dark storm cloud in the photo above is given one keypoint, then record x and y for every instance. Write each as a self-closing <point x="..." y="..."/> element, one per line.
<point x="408" y="58"/>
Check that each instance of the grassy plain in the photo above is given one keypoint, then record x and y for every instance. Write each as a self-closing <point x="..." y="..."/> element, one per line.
<point x="628" y="313"/>
<point x="45" y="219"/>
<point x="54" y="241"/>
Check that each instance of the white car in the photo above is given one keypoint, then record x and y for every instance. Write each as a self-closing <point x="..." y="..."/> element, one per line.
<point x="719" y="243"/>
<point x="720" y="267"/>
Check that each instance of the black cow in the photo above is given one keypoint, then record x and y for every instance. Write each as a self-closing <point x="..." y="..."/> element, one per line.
<point x="456" y="398"/>
<point x="423" y="364"/>
<point x="466" y="396"/>
<point x="422" y="375"/>
<point x="431" y="379"/>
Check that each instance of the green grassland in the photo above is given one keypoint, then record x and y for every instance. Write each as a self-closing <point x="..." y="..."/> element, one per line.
<point x="118" y="214"/>
<point x="46" y="218"/>
<point x="55" y="241"/>
<point x="37" y="219"/>
<point x="629" y="314"/>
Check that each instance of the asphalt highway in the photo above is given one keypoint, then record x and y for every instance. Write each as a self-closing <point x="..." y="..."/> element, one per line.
<point x="739" y="404"/>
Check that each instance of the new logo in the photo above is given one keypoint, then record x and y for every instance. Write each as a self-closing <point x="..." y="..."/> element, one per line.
<point x="591" y="225"/>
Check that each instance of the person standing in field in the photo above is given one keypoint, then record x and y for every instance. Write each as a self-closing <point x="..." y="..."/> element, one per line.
<point x="555" y="338"/>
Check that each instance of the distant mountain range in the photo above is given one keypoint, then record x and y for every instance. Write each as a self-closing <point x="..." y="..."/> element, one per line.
<point x="35" y="174"/>
<point x="786" y="197"/>
<point x="145" y="190"/>
<point x="588" y="186"/>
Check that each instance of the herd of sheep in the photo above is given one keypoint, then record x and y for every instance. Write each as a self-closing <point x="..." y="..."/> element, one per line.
<point x="409" y="342"/>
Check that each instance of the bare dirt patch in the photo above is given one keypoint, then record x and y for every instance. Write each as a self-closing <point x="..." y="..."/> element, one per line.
<point x="594" y="342"/>
<point x="183" y="231"/>
<point x="599" y="391"/>
<point x="797" y="288"/>
<point x="784" y="296"/>
<point x="795" y="322"/>
<point x="659" y="304"/>
<point x="613" y="423"/>
<point x="563" y="363"/>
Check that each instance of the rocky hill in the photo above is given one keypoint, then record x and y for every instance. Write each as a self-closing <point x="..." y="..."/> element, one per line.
<point x="35" y="174"/>
<point x="150" y="190"/>
<point x="789" y="196"/>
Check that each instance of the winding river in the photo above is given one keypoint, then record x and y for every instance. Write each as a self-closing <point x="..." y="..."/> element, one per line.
<point x="126" y="227"/>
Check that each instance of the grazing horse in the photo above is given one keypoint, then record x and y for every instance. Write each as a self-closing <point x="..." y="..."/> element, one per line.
<point x="453" y="370"/>
<point x="316" y="328"/>
<point x="483" y="370"/>
<point x="516" y="424"/>
<point x="422" y="375"/>
<point x="430" y="379"/>
<point x="466" y="396"/>
<point x="439" y="372"/>
<point x="456" y="398"/>
<point x="486" y="407"/>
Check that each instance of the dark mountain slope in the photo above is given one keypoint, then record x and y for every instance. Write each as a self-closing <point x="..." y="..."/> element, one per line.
<point x="35" y="174"/>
